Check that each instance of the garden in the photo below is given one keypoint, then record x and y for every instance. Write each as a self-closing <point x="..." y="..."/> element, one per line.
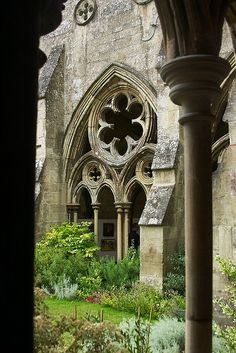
<point x="86" y="303"/>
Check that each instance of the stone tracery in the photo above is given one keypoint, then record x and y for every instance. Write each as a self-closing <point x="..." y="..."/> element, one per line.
<point x="120" y="124"/>
<point x="84" y="11"/>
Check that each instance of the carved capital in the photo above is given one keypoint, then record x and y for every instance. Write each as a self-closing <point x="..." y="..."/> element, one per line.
<point x="194" y="82"/>
<point x="96" y="205"/>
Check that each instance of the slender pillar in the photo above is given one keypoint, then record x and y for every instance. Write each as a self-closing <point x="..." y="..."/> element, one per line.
<point x="75" y="213"/>
<point x="126" y="229"/>
<point x="69" y="208"/>
<point x="96" y="220"/>
<point x="194" y="83"/>
<point x="72" y="212"/>
<point x="119" y="232"/>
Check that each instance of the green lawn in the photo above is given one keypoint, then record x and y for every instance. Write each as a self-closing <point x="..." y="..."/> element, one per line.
<point x="69" y="307"/>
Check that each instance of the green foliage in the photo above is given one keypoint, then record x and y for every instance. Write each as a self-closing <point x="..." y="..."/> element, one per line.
<point x="66" y="252"/>
<point x="98" y="337"/>
<point x="136" y="333"/>
<point x="53" y="264"/>
<point x="122" y="273"/>
<point x="48" y="331"/>
<point x="164" y="336"/>
<point x="174" y="280"/>
<point x="67" y="258"/>
<point x="228" y="305"/>
<point x="66" y="334"/>
<point x="168" y="336"/>
<point x="64" y="289"/>
<point x="144" y="298"/>
<point x="71" y="237"/>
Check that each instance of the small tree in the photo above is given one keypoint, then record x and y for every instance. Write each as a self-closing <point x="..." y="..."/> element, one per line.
<point x="228" y="305"/>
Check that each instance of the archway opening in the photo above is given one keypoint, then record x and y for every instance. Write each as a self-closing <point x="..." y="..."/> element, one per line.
<point x="107" y="223"/>
<point x="85" y="208"/>
<point x="138" y="200"/>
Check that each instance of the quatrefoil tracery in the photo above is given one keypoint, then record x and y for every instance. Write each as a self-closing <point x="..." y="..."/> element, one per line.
<point x="147" y="170"/>
<point x="121" y="124"/>
<point x="84" y="11"/>
<point x="94" y="174"/>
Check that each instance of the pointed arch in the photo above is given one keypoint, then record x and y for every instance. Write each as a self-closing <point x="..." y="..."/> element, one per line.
<point x="81" y="168"/>
<point x="78" y="123"/>
<point x="79" y="189"/>
<point x="130" y="188"/>
<point x="147" y="152"/>
<point x="107" y="184"/>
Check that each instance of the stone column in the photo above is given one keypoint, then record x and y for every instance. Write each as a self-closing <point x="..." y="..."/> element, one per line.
<point x="96" y="220"/>
<point x="69" y="208"/>
<point x="194" y="83"/>
<point x="75" y="213"/>
<point x="119" y="210"/>
<point x="126" y="229"/>
<point x="72" y="212"/>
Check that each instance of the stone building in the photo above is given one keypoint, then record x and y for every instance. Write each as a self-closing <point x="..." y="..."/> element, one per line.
<point x="109" y="145"/>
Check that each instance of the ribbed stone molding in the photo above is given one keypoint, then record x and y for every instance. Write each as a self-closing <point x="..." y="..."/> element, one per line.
<point x="194" y="80"/>
<point x="194" y="83"/>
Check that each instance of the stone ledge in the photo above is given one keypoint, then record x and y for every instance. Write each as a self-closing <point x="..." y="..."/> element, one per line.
<point x="48" y="70"/>
<point x="156" y="206"/>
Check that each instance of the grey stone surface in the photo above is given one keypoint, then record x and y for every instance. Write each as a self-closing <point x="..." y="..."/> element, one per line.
<point x="117" y="7"/>
<point x="165" y="153"/>
<point x="48" y="69"/>
<point x="156" y="207"/>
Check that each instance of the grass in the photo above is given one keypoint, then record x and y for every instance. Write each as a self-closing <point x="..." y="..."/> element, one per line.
<point x="59" y="307"/>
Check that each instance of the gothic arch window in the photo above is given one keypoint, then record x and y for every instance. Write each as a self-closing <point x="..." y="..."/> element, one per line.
<point x="120" y="123"/>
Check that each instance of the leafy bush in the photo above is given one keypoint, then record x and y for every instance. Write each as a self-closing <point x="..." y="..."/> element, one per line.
<point x="48" y="332"/>
<point x="96" y="337"/>
<point x="66" y="251"/>
<point x="228" y="305"/>
<point x="71" y="237"/>
<point x="167" y="336"/>
<point x="64" y="289"/>
<point x="122" y="273"/>
<point x="164" y="336"/>
<point x="66" y="334"/>
<point x="136" y="333"/>
<point x="145" y="298"/>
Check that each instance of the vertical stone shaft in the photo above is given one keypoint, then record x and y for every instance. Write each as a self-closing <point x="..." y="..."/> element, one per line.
<point x="198" y="239"/>
<point x="119" y="232"/>
<point x="126" y="229"/>
<point x="96" y="220"/>
<point x="194" y="83"/>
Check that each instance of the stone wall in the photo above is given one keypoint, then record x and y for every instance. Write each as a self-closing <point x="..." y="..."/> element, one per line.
<point x="118" y="32"/>
<point x="129" y="34"/>
<point x="224" y="197"/>
<point x="51" y="201"/>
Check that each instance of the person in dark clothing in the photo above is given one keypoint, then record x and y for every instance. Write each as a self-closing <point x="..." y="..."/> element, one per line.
<point x="134" y="239"/>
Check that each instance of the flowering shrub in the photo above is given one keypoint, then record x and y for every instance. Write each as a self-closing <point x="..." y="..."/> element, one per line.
<point x="94" y="298"/>
<point x="144" y="298"/>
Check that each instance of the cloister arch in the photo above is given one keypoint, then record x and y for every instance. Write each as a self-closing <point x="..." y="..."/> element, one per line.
<point x="114" y="125"/>
<point x="108" y="234"/>
<point x="114" y="75"/>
